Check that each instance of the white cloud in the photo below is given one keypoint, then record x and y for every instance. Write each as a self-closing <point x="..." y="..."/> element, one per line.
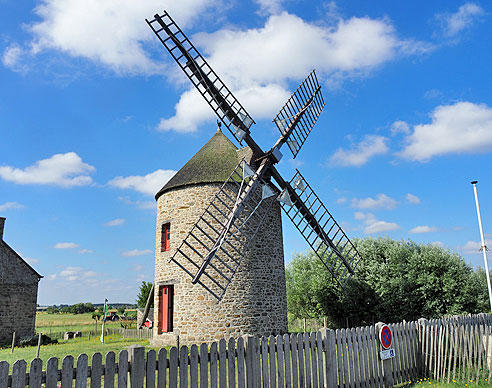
<point x="66" y="245"/>
<point x="31" y="260"/>
<point x="137" y="252"/>
<point x="192" y="110"/>
<point x="359" y="154"/>
<point x="373" y="225"/>
<point x="65" y="170"/>
<point x="12" y="58"/>
<point x="454" y="23"/>
<point x="115" y="222"/>
<point x="75" y="273"/>
<point x="422" y="229"/>
<point x="341" y="200"/>
<point x="270" y="6"/>
<point x="147" y="184"/>
<point x="86" y="251"/>
<point x="111" y="32"/>
<point x="10" y="205"/>
<point x="412" y="198"/>
<point x="138" y="204"/>
<point x="400" y="127"/>
<point x="437" y="244"/>
<point x="463" y="127"/>
<point x="257" y="63"/>
<point x="473" y="246"/>
<point x="381" y="201"/>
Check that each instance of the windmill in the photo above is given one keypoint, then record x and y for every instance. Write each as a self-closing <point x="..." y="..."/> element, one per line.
<point x="236" y="213"/>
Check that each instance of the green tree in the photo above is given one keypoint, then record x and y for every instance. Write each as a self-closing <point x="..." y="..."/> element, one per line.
<point x="395" y="280"/>
<point x="121" y="310"/>
<point x="143" y="294"/>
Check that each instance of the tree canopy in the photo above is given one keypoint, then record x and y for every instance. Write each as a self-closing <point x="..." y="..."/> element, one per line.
<point x="143" y="294"/>
<point x="396" y="280"/>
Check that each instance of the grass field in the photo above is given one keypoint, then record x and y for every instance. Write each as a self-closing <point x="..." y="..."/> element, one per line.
<point x="55" y="323"/>
<point x="72" y="347"/>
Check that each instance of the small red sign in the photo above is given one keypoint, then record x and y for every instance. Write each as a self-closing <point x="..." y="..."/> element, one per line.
<point x="385" y="336"/>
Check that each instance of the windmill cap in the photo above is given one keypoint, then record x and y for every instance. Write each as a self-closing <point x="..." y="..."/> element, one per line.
<point x="213" y="163"/>
<point x="474" y="182"/>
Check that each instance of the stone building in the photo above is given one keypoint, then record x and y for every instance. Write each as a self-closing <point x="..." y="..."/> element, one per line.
<point x="18" y="293"/>
<point x="255" y="301"/>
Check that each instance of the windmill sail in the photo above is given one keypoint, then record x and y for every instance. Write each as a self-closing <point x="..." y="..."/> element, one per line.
<point x="216" y="93"/>
<point x="299" y="114"/>
<point x="320" y="229"/>
<point x="213" y="249"/>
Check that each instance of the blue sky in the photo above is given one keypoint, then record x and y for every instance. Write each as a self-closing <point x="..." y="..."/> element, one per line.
<point x="95" y="118"/>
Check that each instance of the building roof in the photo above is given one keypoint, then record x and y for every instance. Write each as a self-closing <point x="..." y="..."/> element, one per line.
<point x="213" y="163"/>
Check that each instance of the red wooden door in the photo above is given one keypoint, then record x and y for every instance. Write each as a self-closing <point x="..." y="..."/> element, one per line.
<point x="165" y="308"/>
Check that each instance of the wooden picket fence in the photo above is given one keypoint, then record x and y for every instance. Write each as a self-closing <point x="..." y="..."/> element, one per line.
<point x="457" y="348"/>
<point x="327" y="358"/>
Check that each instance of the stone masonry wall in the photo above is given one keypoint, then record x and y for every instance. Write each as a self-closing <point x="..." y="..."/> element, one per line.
<point x="18" y="295"/>
<point x="255" y="301"/>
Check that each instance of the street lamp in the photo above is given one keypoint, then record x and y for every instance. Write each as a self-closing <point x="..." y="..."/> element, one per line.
<point x="483" y="248"/>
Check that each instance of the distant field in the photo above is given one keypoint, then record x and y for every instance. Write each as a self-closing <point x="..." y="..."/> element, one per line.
<point x="54" y="323"/>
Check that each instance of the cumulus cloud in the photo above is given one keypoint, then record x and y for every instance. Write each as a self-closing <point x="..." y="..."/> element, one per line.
<point x="270" y="6"/>
<point x="412" y="198"/>
<point x="31" y="260"/>
<point x="75" y="273"/>
<point x="373" y="225"/>
<point x="454" y="23"/>
<point x="147" y="184"/>
<point x="64" y="170"/>
<point x="86" y="251"/>
<point x="463" y="127"/>
<point x="138" y="204"/>
<point x="359" y="154"/>
<point x="257" y="63"/>
<point x="10" y="205"/>
<point x="87" y="30"/>
<point x="66" y="245"/>
<point x="12" y="58"/>
<point x="382" y="201"/>
<point x="115" y="222"/>
<point x="422" y="229"/>
<point x="137" y="252"/>
<point x="473" y="246"/>
<point x="400" y="127"/>
<point x="342" y="200"/>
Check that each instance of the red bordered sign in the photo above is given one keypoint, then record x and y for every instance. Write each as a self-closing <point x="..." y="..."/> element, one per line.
<point x="385" y="336"/>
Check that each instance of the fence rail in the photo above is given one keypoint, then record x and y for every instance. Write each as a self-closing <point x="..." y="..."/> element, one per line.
<point x="452" y="348"/>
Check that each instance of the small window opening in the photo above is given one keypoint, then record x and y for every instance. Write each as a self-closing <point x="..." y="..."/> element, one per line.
<point x="166" y="237"/>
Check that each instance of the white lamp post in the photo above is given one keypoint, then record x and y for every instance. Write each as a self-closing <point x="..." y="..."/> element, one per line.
<point x="484" y="247"/>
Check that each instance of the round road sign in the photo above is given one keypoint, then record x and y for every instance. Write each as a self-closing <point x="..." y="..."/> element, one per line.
<point x="385" y="336"/>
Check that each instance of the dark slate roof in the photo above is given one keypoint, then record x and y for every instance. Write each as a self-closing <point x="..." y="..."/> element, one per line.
<point x="213" y="163"/>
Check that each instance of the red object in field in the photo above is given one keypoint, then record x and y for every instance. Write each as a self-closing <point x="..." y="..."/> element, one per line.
<point x="166" y="308"/>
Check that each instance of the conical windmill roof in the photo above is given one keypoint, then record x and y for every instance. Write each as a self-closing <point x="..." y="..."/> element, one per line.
<point x="213" y="163"/>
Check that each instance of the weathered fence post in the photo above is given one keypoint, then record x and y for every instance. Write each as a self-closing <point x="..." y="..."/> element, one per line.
<point x="422" y="367"/>
<point x="252" y="361"/>
<point x="387" y="368"/>
<point x="136" y="357"/>
<point x="329" y="347"/>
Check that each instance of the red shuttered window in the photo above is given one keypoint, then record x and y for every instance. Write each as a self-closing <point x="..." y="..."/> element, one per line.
<point x="166" y="237"/>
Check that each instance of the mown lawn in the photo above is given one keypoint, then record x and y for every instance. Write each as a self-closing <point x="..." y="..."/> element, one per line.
<point x="72" y="347"/>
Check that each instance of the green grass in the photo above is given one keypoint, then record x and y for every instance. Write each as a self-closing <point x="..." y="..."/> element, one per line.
<point x="457" y="384"/>
<point x="72" y="347"/>
<point x="56" y="323"/>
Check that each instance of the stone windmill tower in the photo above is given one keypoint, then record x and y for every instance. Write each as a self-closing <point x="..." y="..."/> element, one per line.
<point x="219" y="251"/>
<point x="255" y="302"/>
